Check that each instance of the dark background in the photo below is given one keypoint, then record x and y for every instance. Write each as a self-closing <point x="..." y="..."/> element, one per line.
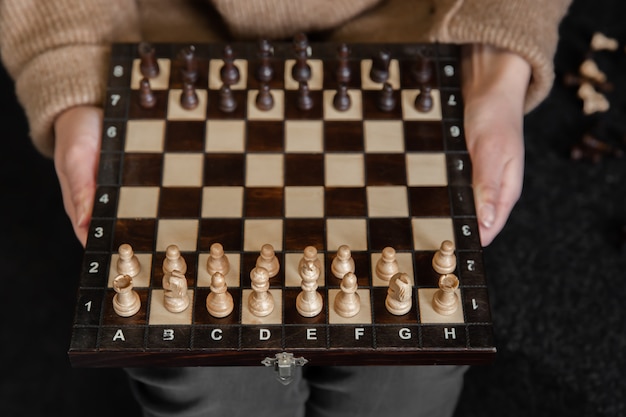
<point x="556" y="272"/>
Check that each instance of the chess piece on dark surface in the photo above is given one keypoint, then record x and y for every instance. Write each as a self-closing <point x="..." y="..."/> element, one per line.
<point x="219" y="302"/>
<point x="301" y="70"/>
<point x="445" y="300"/>
<point x="424" y="100"/>
<point x="188" y="97"/>
<point x="126" y="301"/>
<point x="148" y="64"/>
<point x="229" y="73"/>
<point x="309" y="302"/>
<point x="444" y="260"/>
<point x="264" y="98"/>
<point x="189" y="69"/>
<point x="386" y="100"/>
<point x="380" y="66"/>
<point x="399" y="295"/>
<point x="265" y="71"/>
<point x="304" y="101"/>
<point x="347" y="301"/>
<point x="175" y="297"/>
<point x="227" y="102"/>
<point x="343" y="68"/>
<point x="341" y="100"/>
<point x="127" y="263"/>
<point x="268" y="260"/>
<point x="147" y="99"/>
<point x="422" y="69"/>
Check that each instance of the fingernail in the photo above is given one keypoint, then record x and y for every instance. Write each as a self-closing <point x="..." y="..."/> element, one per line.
<point x="83" y="219"/>
<point x="487" y="215"/>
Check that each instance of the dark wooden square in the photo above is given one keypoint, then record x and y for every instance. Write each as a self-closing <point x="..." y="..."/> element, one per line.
<point x="159" y="111"/>
<point x="213" y="109"/>
<point x="138" y="233"/>
<point x="300" y="233"/>
<point x="343" y="136"/>
<point x="385" y="169"/>
<point x="425" y="275"/>
<point x="228" y="232"/>
<point x="142" y="169"/>
<point x="383" y="316"/>
<point x="423" y="136"/>
<point x="265" y="136"/>
<point x="394" y="232"/>
<point x="185" y="136"/>
<point x="292" y="112"/>
<point x="371" y="111"/>
<point x="264" y="202"/>
<point x="110" y="317"/>
<point x="345" y="202"/>
<point x="180" y="202"/>
<point x="224" y="169"/>
<point x="362" y="269"/>
<point x="304" y="169"/>
<point x="201" y="314"/>
<point x="429" y="201"/>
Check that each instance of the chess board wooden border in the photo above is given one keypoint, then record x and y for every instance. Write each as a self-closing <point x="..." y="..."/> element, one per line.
<point x="481" y="350"/>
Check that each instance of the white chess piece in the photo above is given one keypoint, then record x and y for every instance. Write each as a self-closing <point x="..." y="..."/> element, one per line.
<point x="347" y="301"/>
<point x="399" y="294"/>
<point x="309" y="302"/>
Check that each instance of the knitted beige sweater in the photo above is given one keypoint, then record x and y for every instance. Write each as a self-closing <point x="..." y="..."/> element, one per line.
<point x="57" y="50"/>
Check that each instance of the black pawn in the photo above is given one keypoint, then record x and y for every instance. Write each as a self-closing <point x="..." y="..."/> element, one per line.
<point x="264" y="98"/>
<point x="148" y="65"/>
<point x="380" y="67"/>
<point x="386" y="99"/>
<point x="301" y="70"/>
<point x="147" y="99"/>
<point x="424" y="100"/>
<point x="189" y="69"/>
<point x="189" y="97"/>
<point x="343" y="69"/>
<point x="265" y="71"/>
<point x="228" y="104"/>
<point x="229" y="73"/>
<point x="422" y="70"/>
<point x="305" y="101"/>
<point x="341" y="100"/>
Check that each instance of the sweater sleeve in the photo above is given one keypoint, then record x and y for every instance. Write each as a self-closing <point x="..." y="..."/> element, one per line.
<point x="526" y="27"/>
<point x="57" y="53"/>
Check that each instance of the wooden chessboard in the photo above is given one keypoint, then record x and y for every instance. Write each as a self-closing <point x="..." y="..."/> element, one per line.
<point x="363" y="177"/>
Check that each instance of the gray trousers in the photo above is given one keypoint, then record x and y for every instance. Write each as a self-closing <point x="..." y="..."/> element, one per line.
<point x="314" y="392"/>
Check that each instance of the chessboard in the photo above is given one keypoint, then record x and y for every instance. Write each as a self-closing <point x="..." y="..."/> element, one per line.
<point x="263" y="201"/>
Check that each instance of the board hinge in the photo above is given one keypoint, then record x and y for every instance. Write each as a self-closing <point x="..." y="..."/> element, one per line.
<point x="284" y="365"/>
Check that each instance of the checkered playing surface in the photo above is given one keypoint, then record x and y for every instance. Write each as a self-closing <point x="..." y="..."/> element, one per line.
<point x="324" y="178"/>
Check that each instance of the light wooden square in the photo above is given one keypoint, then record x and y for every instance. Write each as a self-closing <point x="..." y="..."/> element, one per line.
<point x="222" y="202"/>
<point x="160" y="82"/>
<point x="304" y="136"/>
<point x="182" y="170"/>
<point x="405" y="265"/>
<point x="160" y="315"/>
<point x="428" y="233"/>
<point x="226" y="136"/>
<point x="355" y="112"/>
<point x="368" y="84"/>
<point x="383" y="136"/>
<point x="258" y="232"/>
<point x="145" y="136"/>
<point x="344" y="170"/>
<point x="275" y="317"/>
<point x="317" y="74"/>
<point x="409" y="112"/>
<point x="426" y="169"/>
<point x="264" y="170"/>
<point x="304" y="201"/>
<point x="176" y="112"/>
<point x="387" y="201"/>
<point x="142" y="280"/>
<point x="429" y="315"/>
<point x="138" y="202"/>
<point x="351" y="232"/>
<point x="277" y="112"/>
<point x="292" y="274"/>
<point x="364" y="316"/>
<point x="232" y="277"/>
<point x="180" y="232"/>
<point x="215" y="81"/>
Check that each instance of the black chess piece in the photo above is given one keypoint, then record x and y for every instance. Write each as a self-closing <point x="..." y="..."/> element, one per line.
<point x="189" y="69"/>
<point x="147" y="99"/>
<point x="422" y="69"/>
<point x="343" y="68"/>
<point x="265" y="71"/>
<point x="229" y="73"/>
<point x="305" y="101"/>
<point x="148" y="64"/>
<point x="386" y="99"/>
<point x="424" y="100"/>
<point x="264" y="99"/>
<point x="341" y="100"/>
<point x="189" y="98"/>
<point x="380" y="66"/>
<point x="227" y="102"/>
<point x="301" y="70"/>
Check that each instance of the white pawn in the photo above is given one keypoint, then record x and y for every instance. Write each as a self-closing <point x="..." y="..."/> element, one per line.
<point x="261" y="301"/>
<point x="173" y="262"/>
<point x="399" y="294"/>
<point x="268" y="260"/>
<point x="176" y="298"/>
<point x="126" y="301"/>
<point x="217" y="261"/>
<point x="444" y="260"/>
<point x="387" y="265"/>
<point x="343" y="262"/>
<point x="310" y="255"/>
<point x="219" y="302"/>
<point x="347" y="301"/>
<point x="309" y="302"/>
<point x="127" y="263"/>
<point x="445" y="300"/>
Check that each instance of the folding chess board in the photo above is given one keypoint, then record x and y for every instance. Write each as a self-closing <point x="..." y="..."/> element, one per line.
<point x="362" y="177"/>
